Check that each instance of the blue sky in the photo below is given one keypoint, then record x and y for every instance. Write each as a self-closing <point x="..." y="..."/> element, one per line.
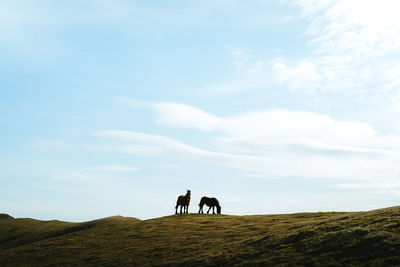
<point x="118" y="107"/>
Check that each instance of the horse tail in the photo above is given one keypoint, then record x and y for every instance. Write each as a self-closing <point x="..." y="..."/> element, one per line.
<point x="178" y="202"/>
<point x="201" y="202"/>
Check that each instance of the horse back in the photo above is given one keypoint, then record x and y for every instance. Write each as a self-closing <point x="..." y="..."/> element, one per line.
<point x="213" y="201"/>
<point x="209" y="201"/>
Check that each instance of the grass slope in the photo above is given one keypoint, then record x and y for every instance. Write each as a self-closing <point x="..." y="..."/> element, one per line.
<point x="309" y="239"/>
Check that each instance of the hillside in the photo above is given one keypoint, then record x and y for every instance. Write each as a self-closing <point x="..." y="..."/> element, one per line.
<point x="291" y="239"/>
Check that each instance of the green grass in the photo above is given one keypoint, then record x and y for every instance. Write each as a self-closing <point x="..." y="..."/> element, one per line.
<point x="320" y="239"/>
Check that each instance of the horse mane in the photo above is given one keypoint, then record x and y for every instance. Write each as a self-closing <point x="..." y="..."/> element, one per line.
<point x="187" y="197"/>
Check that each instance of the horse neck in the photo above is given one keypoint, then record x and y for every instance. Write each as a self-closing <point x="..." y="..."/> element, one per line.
<point x="187" y="196"/>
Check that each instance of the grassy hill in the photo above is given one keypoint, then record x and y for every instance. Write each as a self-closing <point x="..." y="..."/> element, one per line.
<point x="353" y="238"/>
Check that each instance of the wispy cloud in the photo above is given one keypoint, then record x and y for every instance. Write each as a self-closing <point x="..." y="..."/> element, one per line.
<point x="356" y="45"/>
<point x="302" y="76"/>
<point x="273" y="161"/>
<point x="272" y="125"/>
<point x="271" y="143"/>
<point x="351" y="57"/>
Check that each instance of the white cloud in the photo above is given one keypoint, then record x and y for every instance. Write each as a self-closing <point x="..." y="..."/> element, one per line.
<point x="366" y="28"/>
<point x="272" y="143"/>
<point x="353" y="60"/>
<point x="356" y="45"/>
<point x="275" y="124"/>
<point x="299" y="148"/>
<point x="303" y="75"/>
<point x="281" y="124"/>
<point x="180" y="115"/>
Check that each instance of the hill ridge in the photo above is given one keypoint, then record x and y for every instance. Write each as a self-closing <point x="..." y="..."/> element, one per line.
<point x="322" y="238"/>
<point x="4" y="216"/>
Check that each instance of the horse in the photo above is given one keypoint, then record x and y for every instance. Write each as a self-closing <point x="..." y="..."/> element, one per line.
<point x="183" y="201"/>
<point x="211" y="202"/>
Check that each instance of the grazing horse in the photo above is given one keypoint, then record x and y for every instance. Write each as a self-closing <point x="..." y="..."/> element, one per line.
<point x="211" y="202"/>
<point x="183" y="201"/>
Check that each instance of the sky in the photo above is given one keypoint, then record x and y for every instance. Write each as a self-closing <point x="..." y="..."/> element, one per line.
<point x="118" y="107"/>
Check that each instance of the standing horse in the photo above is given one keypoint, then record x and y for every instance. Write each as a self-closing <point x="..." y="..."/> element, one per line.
<point x="183" y="201"/>
<point x="211" y="202"/>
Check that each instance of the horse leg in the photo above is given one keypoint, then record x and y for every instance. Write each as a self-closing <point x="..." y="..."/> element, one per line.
<point x="213" y="210"/>
<point x="181" y="209"/>
<point x="176" y="209"/>
<point x="208" y="210"/>
<point x="201" y="209"/>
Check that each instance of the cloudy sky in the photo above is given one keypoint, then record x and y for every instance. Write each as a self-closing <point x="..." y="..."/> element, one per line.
<point x="118" y="107"/>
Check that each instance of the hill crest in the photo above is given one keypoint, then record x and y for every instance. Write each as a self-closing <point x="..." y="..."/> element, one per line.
<point x="4" y="216"/>
<point x="323" y="238"/>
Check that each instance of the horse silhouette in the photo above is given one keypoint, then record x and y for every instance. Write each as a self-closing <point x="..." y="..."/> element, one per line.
<point x="183" y="201"/>
<point x="210" y="202"/>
